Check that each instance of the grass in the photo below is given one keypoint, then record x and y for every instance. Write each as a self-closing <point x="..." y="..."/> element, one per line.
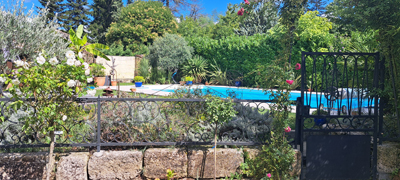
<point x="126" y="84"/>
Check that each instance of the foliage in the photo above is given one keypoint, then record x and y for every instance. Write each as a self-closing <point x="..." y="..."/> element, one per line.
<point x="196" y="67"/>
<point x="75" y="13"/>
<point x="144" y="69"/>
<point x="117" y="49"/>
<point x="203" y="27"/>
<point x="138" y="79"/>
<point x="169" y="52"/>
<point x="102" y="13"/>
<point x="317" y="5"/>
<point x="226" y="24"/>
<point x="98" y="70"/>
<point x="79" y="44"/>
<point x="141" y="23"/>
<point x="54" y="8"/>
<point x="188" y="78"/>
<point x="260" y="16"/>
<point x="170" y="174"/>
<point x="217" y="76"/>
<point x="237" y="53"/>
<point x="23" y="35"/>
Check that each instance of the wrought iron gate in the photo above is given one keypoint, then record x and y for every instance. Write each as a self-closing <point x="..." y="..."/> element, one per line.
<point x="338" y="115"/>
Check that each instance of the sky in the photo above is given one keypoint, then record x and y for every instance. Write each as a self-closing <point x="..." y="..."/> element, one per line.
<point x="208" y="5"/>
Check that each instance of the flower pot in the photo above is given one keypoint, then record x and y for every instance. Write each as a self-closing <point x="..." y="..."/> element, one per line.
<point x="189" y="82"/>
<point x="238" y="83"/>
<point x="138" y="84"/>
<point x="182" y="83"/>
<point x="99" y="81"/>
<point x="309" y="90"/>
<point x="114" y="83"/>
<point x="133" y="89"/>
<point x="207" y="83"/>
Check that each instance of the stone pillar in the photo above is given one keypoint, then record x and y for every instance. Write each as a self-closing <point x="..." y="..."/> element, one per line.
<point x="73" y="166"/>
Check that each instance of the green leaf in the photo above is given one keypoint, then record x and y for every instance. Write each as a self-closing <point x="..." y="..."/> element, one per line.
<point x="97" y="53"/>
<point x="73" y="37"/>
<point x="79" y="31"/>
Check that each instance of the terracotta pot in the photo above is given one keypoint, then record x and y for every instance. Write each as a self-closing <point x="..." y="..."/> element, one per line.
<point x="133" y="89"/>
<point x="113" y="83"/>
<point x="99" y="81"/>
<point x="309" y="90"/>
<point x="182" y="83"/>
<point x="207" y="83"/>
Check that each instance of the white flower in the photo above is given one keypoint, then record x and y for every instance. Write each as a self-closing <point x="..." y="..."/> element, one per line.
<point x="19" y="63"/>
<point x="71" y="83"/>
<point x="41" y="60"/>
<point x="78" y="83"/>
<point x="71" y="62"/>
<point x="7" y="94"/>
<point x="53" y="61"/>
<point x="15" y="81"/>
<point x="86" y="65"/>
<point x="89" y="80"/>
<point x="18" y="92"/>
<point x="70" y="55"/>
<point x="64" y="117"/>
<point x="2" y="79"/>
<point x="26" y="65"/>
<point x="80" y="55"/>
<point x="91" y="92"/>
<point x="87" y="72"/>
<point x="77" y="63"/>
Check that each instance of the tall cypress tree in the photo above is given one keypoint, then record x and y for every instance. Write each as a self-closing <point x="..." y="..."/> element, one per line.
<point x="54" y="7"/>
<point x="102" y="12"/>
<point x="76" y="13"/>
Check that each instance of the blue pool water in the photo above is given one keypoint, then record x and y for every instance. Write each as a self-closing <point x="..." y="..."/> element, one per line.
<point x="314" y="100"/>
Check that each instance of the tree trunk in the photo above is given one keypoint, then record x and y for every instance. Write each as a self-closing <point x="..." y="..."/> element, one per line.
<point x="50" y="165"/>
<point x="215" y="153"/>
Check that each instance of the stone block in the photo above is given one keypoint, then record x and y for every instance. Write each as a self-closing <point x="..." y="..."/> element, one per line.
<point x="201" y="162"/>
<point x="115" y="165"/>
<point x="73" y="166"/>
<point x="388" y="157"/>
<point x="22" y="165"/>
<point x="158" y="160"/>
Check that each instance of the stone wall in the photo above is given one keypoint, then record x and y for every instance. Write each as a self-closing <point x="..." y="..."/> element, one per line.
<point x="125" y="66"/>
<point x="130" y="164"/>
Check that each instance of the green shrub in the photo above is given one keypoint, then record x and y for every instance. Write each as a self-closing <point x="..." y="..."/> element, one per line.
<point x="141" y="23"/>
<point x="118" y="50"/>
<point x="138" y="79"/>
<point x="24" y="33"/>
<point x="237" y="53"/>
<point x="188" y="78"/>
<point x="144" y="68"/>
<point x="169" y="52"/>
<point x="98" y="70"/>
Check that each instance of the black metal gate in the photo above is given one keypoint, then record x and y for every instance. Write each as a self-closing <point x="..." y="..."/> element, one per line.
<point x="338" y="115"/>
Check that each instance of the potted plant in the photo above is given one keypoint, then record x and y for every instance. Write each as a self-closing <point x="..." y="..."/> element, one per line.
<point x="318" y="120"/>
<point x="189" y="80"/>
<point x="182" y="82"/>
<point x="138" y="81"/>
<point x="113" y="72"/>
<point x="238" y="81"/>
<point x="99" y="74"/>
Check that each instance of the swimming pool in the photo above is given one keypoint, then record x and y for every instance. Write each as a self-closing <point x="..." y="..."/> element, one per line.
<point x="314" y="99"/>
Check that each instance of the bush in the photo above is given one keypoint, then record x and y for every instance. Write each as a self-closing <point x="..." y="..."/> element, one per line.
<point x="144" y="68"/>
<point x="98" y="70"/>
<point x="188" y="78"/>
<point x="138" y="79"/>
<point x="23" y="35"/>
<point x="169" y="52"/>
<point x="237" y="53"/>
<point x="141" y="23"/>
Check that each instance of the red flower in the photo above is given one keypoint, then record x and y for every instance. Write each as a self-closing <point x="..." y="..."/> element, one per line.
<point x="269" y="175"/>
<point x="247" y="2"/>
<point x="288" y="129"/>
<point x="240" y="12"/>
<point x="298" y="66"/>
<point x="289" y="82"/>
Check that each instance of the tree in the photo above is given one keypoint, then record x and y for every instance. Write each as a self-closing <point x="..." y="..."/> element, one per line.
<point x="201" y="27"/>
<point x="76" y="13"/>
<point x="175" y="5"/>
<point x="226" y="24"/>
<point x="259" y="17"/>
<point x="195" y="11"/>
<point x="102" y="13"/>
<point x="54" y="8"/>
<point x="169" y="52"/>
<point x="317" y="5"/>
<point x="141" y="23"/>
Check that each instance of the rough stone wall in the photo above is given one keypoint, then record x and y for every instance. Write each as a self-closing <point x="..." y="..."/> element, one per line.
<point x="125" y="67"/>
<point x="131" y="164"/>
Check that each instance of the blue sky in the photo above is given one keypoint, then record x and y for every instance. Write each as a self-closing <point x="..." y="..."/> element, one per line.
<point x="208" y="5"/>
